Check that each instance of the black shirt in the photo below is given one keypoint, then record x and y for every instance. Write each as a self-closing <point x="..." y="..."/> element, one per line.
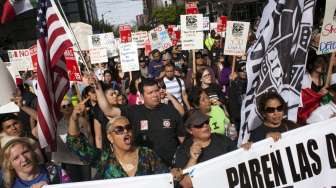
<point x="219" y="145"/>
<point x="260" y="132"/>
<point x="157" y="128"/>
<point x="99" y="115"/>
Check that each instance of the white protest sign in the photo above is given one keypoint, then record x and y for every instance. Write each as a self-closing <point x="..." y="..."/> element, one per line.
<point x="192" y="40"/>
<point x="129" y="57"/>
<point x="302" y="158"/>
<point x="236" y="38"/>
<point x="8" y="88"/>
<point x="21" y="58"/>
<point x="213" y="26"/>
<point x="192" y="22"/>
<point x="328" y="33"/>
<point x="159" y="38"/>
<point x="153" y="181"/>
<point x="206" y="23"/>
<point x="104" y="40"/>
<point x="140" y="38"/>
<point x="98" y="55"/>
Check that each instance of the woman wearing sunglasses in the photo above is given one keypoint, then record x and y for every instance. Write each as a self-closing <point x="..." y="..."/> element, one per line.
<point x="273" y="108"/>
<point x="122" y="159"/>
<point x="200" y="146"/>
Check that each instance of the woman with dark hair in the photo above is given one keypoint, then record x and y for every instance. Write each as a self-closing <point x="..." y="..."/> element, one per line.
<point x="108" y="79"/>
<point x="273" y="108"/>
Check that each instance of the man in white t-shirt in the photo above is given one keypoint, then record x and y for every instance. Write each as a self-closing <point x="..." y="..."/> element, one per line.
<point x="325" y="112"/>
<point x="175" y="85"/>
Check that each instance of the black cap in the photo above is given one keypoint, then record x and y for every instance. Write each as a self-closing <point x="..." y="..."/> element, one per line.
<point x="241" y="66"/>
<point x="6" y="117"/>
<point x="196" y="118"/>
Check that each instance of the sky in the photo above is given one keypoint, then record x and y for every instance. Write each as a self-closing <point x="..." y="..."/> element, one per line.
<point x="119" y="11"/>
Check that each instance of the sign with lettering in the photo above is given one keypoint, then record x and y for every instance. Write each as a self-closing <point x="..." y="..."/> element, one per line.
<point x="221" y="26"/>
<point x="328" y="32"/>
<point x="98" y="55"/>
<point x="236" y="38"/>
<point x="21" y="58"/>
<point x="125" y="33"/>
<point x="104" y="40"/>
<point x="192" y="22"/>
<point x="206" y="23"/>
<point x="191" y="8"/>
<point x="159" y="38"/>
<point x="302" y="158"/>
<point x="192" y="40"/>
<point x="140" y="38"/>
<point x="72" y="65"/>
<point x="129" y="57"/>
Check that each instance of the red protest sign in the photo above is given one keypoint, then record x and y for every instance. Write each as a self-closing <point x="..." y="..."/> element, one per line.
<point x="33" y="55"/>
<point x="125" y="32"/>
<point x="148" y="48"/>
<point x="170" y="30"/>
<point x="191" y="8"/>
<point x="221" y="25"/>
<point x="176" y="37"/>
<point x="72" y="66"/>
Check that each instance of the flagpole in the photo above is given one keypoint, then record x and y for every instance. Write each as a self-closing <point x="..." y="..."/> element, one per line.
<point x="72" y="33"/>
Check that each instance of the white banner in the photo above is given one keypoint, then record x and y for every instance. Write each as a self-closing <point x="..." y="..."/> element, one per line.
<point x="192" y="40"/>
<point x="104" y="40"/>
<point x="192" y="22"/>
<point x="236" y="38"/>
<point x="140" y="38"/>
<point x="159" y="38"/>
<point x="154" y="181"/>
<point x="328" y="32"/>
<point x="98" y="55"/>
<point x="302" y="158"/>
<point x="21" y="58"/>
<point x="129" y="57"/>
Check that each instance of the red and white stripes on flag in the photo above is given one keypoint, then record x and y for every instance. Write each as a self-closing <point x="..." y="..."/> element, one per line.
<point x="53" y="82"/>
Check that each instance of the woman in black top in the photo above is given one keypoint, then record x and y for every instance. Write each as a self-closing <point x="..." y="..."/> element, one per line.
<point x="273" y="109"/>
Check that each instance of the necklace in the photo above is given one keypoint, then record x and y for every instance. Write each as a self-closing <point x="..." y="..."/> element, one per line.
<point x="127" y="166"/>
<point x="131" y="164"/>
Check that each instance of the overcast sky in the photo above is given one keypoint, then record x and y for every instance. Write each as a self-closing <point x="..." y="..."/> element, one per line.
<point x="121" y="11"/>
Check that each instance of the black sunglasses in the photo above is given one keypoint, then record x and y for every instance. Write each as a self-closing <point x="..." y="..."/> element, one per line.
<point x="201" y="125"/>
<point x="273" y="109"/>
<point x="66" y="106"/>
<point x="120" y="130"/>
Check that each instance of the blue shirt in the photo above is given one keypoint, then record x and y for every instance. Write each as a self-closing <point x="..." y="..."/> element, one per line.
<point x="43" y="176"/>
<point x="155" y="68"/>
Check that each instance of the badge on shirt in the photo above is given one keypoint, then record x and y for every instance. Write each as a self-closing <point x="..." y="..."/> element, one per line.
<point x="166" y="123"/>
<point x="143" y="125"/>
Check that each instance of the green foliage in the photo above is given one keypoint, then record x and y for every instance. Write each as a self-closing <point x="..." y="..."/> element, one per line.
<point x="168" y="15"/>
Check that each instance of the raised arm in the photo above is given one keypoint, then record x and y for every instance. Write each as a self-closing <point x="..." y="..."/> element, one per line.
<point x="104" y="105"/>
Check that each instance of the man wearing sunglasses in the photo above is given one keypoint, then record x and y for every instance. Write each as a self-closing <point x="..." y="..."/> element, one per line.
<point x="155" y="125"/>
<point x="201" y="145"/>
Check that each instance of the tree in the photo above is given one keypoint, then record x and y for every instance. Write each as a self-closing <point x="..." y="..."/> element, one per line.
<point x="168" y="15"/>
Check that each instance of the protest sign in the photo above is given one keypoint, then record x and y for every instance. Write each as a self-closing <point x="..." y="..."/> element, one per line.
<point x="305" y="157"/>
<point x="192" y="40"/>
<point x="104" y="40"/>
<point x="72" y="65"/>
<point x="98" y="55"/>
<point x="153" y="181"/>
<point x="176" y="37"/>
<point x="328" y="33"/>
<point x="236" y="38"/>
<point x="129" y="57"/>
<point x="213" y="26"/>
<point x="33" y="55"/>
<point x="140" y="38"/>
<point x="21" y="58"/>
<point x="192" y="22"/>
<point x="148" y="48"/>
<point x="159" y="38"/>
<point x="221" y="26"/>
<point x="206" y="23"/>
<point x="191" y="8"/>
<point x="8" y="88"/>
<point x="170" y="30"/>
<point x="125" y="33"/>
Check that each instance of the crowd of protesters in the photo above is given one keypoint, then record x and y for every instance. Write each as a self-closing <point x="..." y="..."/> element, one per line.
<point x="163" y="118"/>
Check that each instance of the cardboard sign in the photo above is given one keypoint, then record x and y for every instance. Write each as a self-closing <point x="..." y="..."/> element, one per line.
<point x="328" y="33"/>
<point x="206" y="23"/>
<point x="159" y="38"/>
<point x="98" y="55"/>
<point x="8" y="88"/>
<point x="129" y="57"/>
<point x="104" y="40"/>
<point x="192" y="22"/>
<point x="33" y="55"/>
<point x="125" y="33"/>
<point x="192" y="40"/>
<point x="72" y="65"/>
<point x="21" y="58"/>
<point x="221" y="26"/>
<point x="191" y="8"/>
<point x="140" y="38"/>
<point x="236" y="38"/>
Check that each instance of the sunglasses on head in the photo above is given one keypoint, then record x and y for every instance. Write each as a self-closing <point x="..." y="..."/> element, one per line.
<point x="120" y="130"/>
<point x="273" y="109"/>
<point x="201" y="125"/>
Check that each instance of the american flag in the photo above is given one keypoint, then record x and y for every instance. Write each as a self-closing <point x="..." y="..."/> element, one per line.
<point x="52" y="75"/>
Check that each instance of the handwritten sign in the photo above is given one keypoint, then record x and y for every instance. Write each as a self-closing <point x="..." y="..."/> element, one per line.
<point x="328" y="33"/>
<point x="236" y="38"/>
<point x="140" y="38"/>
<point x="192" y="40"/>
<point x="129" y="57"/>
<point x="159" y="38"/>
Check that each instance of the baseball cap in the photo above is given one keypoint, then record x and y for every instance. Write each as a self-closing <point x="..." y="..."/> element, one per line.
<point x="196" y="118"/>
